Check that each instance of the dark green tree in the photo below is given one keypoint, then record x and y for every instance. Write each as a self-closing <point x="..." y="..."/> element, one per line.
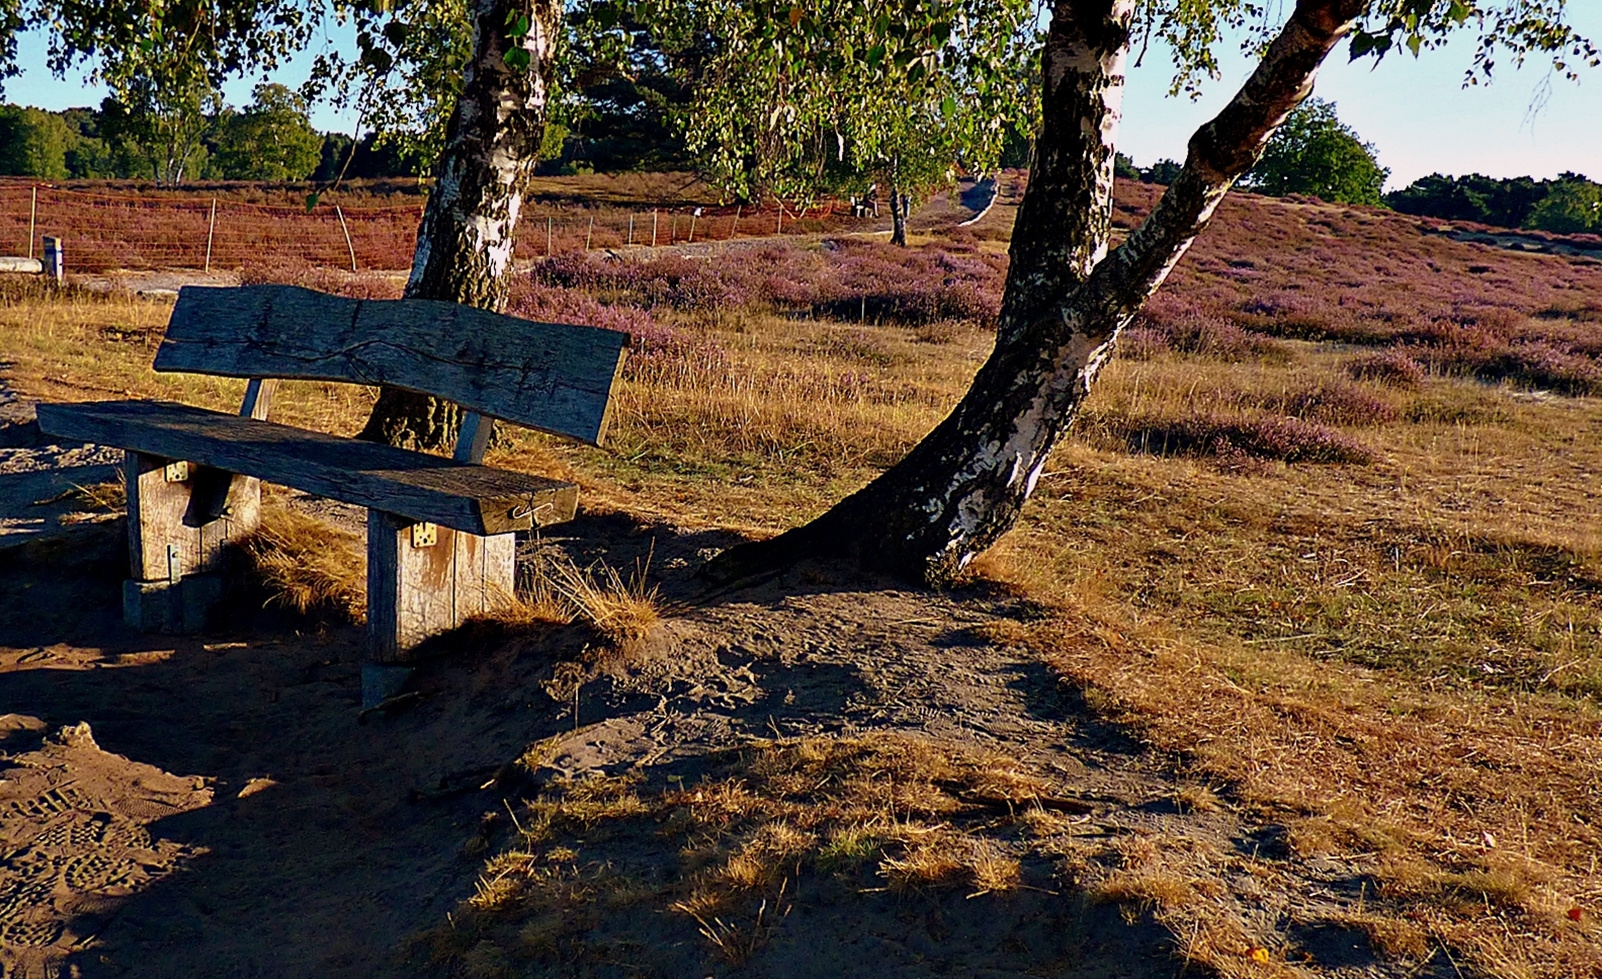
<point x="34" y="143"/>
<point x="272" y="139"/>
<point x="1572" y="206"/>
<point x="1313" y="152"/>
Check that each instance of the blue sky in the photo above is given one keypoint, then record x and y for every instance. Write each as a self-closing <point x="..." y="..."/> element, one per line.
<point x="1415" y="111"/>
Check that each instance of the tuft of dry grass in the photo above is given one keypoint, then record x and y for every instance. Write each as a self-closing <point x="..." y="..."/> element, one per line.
<point x="309" y="566"/>
<point x="623" y="612"/>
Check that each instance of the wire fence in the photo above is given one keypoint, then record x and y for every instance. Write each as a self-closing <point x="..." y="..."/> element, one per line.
<point x="105" y="231"/>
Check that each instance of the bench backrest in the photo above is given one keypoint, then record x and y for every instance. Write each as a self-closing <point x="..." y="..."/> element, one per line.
<point x="553" y="377"/>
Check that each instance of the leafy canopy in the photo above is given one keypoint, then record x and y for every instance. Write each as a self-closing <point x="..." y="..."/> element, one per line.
<point x="779" y="75"/>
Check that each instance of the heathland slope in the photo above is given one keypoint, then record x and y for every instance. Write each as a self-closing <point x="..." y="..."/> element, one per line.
<point x="1292" y="668"/>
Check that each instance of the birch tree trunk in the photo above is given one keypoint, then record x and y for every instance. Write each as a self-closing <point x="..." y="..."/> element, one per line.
<point x="1066" y="299"/>
<point x="464" y="244"/>
<point x="898" y="213"/>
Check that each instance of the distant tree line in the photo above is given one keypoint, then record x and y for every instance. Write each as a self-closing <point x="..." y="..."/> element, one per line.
<point x="178" y="140"/>
<point x="1314" y="153"/>
<point x="1570" y="204"/>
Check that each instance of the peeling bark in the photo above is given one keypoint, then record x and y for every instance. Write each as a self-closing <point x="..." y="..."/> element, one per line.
<point x="465" y="241"/>
<point x="1066" y="299"/>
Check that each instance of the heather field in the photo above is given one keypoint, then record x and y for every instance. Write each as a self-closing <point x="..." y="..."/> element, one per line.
<point x="1296" y="656"/>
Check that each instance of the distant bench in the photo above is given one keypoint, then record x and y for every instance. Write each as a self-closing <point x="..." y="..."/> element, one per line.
<point x="440" y="532"/>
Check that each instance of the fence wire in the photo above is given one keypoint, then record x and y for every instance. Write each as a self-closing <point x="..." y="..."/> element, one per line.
<point x="106" y="231"/>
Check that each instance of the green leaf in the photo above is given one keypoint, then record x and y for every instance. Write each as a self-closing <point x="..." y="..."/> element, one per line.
<point x="311" y="201"/>
<point x="875" y="55"/>
<point x="517" y="59"/>
<point x="948" y="107"/>
<point x="1414" y="43"/>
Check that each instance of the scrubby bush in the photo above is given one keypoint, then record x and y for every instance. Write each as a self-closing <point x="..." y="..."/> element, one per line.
<point x="1390" y="367"/>
<point x="1278" y="437"/>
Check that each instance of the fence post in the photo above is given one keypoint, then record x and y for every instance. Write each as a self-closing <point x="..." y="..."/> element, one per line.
<point x="547" y="236"/>
<point x="590" y="233"/>
<point x="735" y="224"/>
<point x="673" y="228"/>
<point x="33" y="218"/>
<point x="55" y="265"/>
<point x="631" y="230"/>
<point x="693" y="215"/>
<point x="211" y="229"/>
<point x="780" y="202"/>
<point x="343" y="227"/>
<point x="653" y="227"/>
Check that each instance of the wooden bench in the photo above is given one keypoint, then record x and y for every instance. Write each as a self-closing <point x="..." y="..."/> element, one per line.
<point x="440" y="532"/>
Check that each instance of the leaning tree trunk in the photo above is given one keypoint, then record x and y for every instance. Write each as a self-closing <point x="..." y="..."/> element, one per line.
<point x="1065" y="301"/>
<point x="464" y="244"/>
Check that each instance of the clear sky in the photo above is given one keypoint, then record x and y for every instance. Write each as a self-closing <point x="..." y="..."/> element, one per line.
<point x="1415" y="111"/>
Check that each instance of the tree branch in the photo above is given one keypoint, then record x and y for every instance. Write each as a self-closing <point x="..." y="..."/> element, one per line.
<point x="1221" y="152"/>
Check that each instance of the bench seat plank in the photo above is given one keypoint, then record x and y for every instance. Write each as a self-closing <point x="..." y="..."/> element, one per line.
<point x="550" y="376"/>
<point x="474" y="499"/>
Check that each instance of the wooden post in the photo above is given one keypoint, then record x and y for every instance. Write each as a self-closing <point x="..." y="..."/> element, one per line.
<point x="693" y="215"/>
<point x="588" y="235"/>
<point x="473" y="438"/>
<point x="180" y="516"/>
<point x="33" y="219"/>
<point x="673" y="228"/>
<point x="547" y="236"/>
<point x="343" y="227"/>
<point x="55" y="265"/>
<point x="181" y="519"/>
<point x="258" y="400"/>
<point x="631" y="230"/>
<point x="780" y="202"/>
<point x="423" y="579"/>
<point x="653" y="227"/>
<point x="734" y="225"/>
<point x="211" y="229"/>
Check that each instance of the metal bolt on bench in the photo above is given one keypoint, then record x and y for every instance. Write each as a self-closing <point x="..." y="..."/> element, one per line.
<point x="440" y="532"/>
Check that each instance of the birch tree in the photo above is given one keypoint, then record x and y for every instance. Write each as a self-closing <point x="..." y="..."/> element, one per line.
<point x="1068" y="293"/>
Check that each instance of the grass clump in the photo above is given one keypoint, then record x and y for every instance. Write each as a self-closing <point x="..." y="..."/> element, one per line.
<point x="309" y="566"/>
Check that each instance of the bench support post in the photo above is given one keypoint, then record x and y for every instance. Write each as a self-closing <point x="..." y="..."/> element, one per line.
<point x="427" y="580"/>
<point x="181" y="518"/>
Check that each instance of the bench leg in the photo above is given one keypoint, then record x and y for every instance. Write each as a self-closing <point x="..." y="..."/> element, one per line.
<point x="417" y="589"/>
<point x="180" y="520"/>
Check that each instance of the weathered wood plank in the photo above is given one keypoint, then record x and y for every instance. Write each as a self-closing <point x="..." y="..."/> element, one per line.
<point x="553" y="377"/>
<point x="474" y="499"/>
<point x="24" y="265"/>
<point x="416" y="592"/>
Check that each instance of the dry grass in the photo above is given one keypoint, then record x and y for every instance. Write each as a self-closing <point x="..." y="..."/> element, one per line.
<point x="308" y="565"/>
<point x="622" y="612"/>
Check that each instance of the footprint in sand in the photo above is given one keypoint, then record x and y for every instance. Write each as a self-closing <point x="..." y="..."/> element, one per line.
<point x="72" y="837"/>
